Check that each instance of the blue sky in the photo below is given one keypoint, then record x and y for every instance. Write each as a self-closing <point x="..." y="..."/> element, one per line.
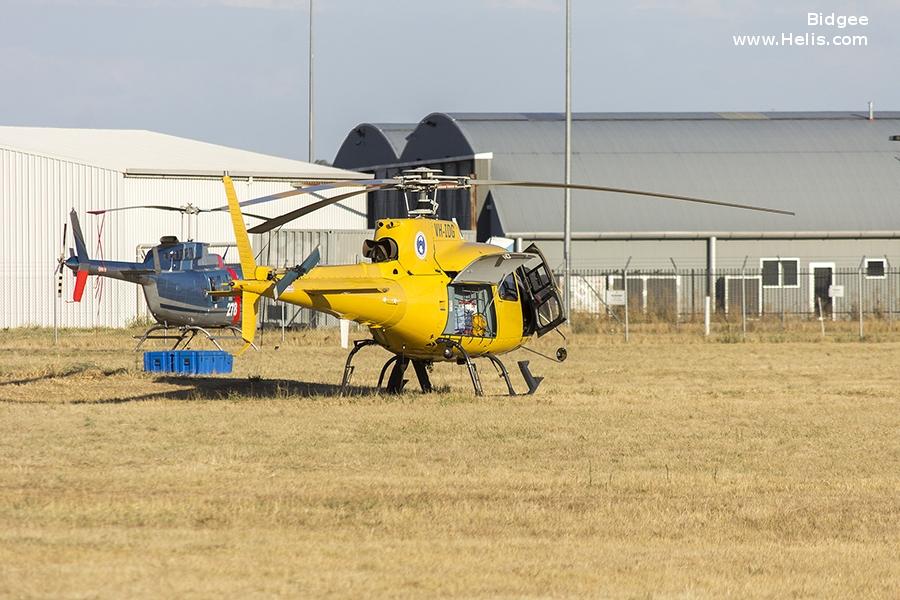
<point x="234" y="71"/>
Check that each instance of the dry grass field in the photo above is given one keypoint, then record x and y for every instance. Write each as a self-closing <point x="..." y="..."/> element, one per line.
<point x="666" y="467"/>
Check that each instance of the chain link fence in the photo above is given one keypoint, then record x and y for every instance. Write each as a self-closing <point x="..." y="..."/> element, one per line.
<point x="738" y="296"/>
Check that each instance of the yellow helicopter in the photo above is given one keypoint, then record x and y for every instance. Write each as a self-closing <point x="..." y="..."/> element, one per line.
<point x="427" y="295"/>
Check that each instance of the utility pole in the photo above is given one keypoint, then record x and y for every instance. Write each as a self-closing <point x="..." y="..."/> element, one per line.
<point x="567" y="219"/>
<point x="311" y="153"/>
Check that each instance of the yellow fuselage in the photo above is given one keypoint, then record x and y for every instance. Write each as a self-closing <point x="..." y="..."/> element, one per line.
<point x="405" y="302"/>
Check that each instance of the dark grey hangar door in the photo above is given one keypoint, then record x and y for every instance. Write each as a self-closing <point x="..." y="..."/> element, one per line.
<point x="822" y="275"/>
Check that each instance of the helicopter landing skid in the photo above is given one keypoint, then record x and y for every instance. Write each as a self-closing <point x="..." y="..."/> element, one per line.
<point x="184" y="335"/>
<point x="396" y="382"/>
<point x="348" y="367"/>
<point x="501" y="369"/>
<point x="530" y="380"/>
<point x="399" y="363"/>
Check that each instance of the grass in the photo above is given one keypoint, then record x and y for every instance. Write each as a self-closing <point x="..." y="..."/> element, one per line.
<point x="668" y="466"/>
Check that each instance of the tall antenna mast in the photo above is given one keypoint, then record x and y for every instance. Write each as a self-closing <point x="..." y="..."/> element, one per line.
<point x="311" y="153"/>
<point x="567" y="219"/>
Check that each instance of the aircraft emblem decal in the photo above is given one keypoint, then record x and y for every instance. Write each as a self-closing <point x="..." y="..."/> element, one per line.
<point x="421" y="245"/>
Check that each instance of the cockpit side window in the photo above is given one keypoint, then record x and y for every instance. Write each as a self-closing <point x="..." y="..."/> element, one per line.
<point x="508" y="289"/>
<point x="471" y="311"/>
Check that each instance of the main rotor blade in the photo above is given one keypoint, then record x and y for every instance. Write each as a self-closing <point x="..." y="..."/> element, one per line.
<point x="594" y="188"/>
<point x="101" y="211"/>
<point x="251" y="215"/>
<point x="180" y="209"/>
<point x="271" y="224"/>
<point x="364" y="183"/>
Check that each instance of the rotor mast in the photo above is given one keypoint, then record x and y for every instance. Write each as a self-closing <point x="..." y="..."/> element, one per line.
<point x="423" y="183"/>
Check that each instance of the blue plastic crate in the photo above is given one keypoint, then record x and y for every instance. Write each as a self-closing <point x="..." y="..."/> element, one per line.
<point x="188" y="362"/>
<point x="185" y="362"/>
<point x="213" y="361"/>
<point x="158" y="362"/>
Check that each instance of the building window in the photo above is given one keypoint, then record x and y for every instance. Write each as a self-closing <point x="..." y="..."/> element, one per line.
<point x="875" y="269"/>
<point x="780" y="272"/>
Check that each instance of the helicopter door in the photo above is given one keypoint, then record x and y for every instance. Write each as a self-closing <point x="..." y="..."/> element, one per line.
<point x="472" y="311"/>
<point x="544" y="295"/>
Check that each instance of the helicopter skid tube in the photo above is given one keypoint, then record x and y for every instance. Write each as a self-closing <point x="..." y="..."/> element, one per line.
<point x="501" y="369"/>
<point x="348" y="366"/>
<point x="398" y="364"/>
<point x="473" y="372"/>
<point x="384" y="369"/>
<point x="184" y="336"/>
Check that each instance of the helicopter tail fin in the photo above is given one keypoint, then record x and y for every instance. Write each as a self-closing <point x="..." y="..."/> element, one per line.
<point x="249" y="300"/>
<point x="248" y="263"/>
<point x="80" y="246"/>
<point x="79" y="259"/>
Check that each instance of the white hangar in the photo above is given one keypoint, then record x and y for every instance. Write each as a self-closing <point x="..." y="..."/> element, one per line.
<point x="46" y="172"/>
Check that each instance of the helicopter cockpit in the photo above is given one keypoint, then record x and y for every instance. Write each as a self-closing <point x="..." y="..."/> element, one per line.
<point x="172" y="255"/>
<point x="472" y="310"/>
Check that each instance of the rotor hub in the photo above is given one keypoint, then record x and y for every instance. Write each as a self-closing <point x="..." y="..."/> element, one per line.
<point x="424" y="183"/>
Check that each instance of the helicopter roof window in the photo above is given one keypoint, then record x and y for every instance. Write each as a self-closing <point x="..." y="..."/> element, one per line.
<point x="471" y="311"/>
<point x="492" y="268"/>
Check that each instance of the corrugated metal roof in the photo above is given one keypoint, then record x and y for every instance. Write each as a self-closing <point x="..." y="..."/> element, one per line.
<point x="148" y="152"/>
<point x="837" y="171"/>
<point x="371" y="144"/>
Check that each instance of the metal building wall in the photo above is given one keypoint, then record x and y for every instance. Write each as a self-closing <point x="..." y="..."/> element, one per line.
<point x="36" y="195"/>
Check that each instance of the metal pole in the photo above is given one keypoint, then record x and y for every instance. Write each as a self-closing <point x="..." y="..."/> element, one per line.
<point x="822" y="314"/>
<point x="890" y="291"/>
<point x="567" y="219"/>
<point x="710" y="283"/>
<point x="625" y="287"/>
<point x="311" y="153"/>
<point x="859" y="299"/>
<point x="744" y="300"/>
<point x="55" y="326"/>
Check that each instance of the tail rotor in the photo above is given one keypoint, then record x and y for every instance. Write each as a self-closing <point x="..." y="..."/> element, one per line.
<point x="61" y="262"/>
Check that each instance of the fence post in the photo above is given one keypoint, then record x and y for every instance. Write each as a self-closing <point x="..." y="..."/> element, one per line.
<point x="859" y="299"/>
<point x="890" y="286"/>
<point x="822" y="314"/>
<point x="744" y="301"/>
<point x="710" y="282"/>
<point x="693" y="297"/>
<point x="625" y="287"/>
